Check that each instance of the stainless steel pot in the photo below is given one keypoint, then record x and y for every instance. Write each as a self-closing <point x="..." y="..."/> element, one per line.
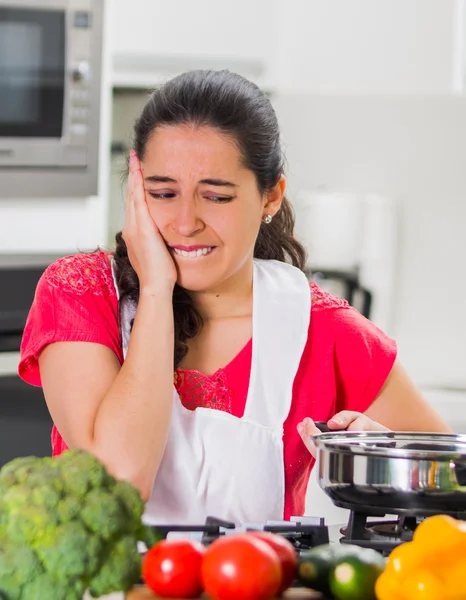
<point x="393" y="472"/>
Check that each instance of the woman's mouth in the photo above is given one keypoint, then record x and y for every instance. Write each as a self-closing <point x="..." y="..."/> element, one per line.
<point x="192" y="251"/>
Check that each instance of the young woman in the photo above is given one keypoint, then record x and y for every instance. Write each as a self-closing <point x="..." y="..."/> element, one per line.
<point x="194" y="358"/>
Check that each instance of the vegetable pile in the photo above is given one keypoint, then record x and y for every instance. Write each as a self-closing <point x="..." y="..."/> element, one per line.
<point x="67" y="526"/>
<point x="250" y="566"/>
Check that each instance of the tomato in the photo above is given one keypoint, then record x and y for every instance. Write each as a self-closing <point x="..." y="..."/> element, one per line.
<point x="286" y="555"/>
<point x="241" y="566"/>
<point x="172" y="568"/>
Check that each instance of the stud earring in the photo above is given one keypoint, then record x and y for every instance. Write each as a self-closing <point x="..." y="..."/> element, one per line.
<point x="267" y="219"/>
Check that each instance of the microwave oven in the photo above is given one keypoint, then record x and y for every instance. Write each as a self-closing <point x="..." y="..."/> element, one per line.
<point x="50" y="81"/>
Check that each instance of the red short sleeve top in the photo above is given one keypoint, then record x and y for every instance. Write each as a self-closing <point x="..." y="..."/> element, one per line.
<point x="344" y="364"/>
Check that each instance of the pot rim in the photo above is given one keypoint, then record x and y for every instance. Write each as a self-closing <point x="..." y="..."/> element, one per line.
<point x="356" y="443"/>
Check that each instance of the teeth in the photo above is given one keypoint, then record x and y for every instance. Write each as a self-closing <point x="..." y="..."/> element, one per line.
<point x="193" y="253"/>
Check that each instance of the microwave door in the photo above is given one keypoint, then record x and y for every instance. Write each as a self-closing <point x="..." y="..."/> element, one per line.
<point x="32" y="86"/>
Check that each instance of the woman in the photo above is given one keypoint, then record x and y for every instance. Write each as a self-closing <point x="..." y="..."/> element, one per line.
<point x="198" y="285"/>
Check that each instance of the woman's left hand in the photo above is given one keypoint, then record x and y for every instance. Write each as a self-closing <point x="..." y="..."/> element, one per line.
<point x="345" y="420"/>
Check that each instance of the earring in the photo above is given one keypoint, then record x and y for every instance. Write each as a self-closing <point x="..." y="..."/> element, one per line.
<point x="267" y="219"/>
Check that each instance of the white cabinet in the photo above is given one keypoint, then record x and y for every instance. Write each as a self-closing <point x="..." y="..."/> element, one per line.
<point x="155" y="38"/>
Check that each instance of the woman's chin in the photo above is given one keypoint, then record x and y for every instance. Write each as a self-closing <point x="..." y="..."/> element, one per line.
<point x="193" y="282"/>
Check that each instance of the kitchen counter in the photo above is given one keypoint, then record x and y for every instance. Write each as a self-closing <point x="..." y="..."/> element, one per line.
<point x="292" y="594"/>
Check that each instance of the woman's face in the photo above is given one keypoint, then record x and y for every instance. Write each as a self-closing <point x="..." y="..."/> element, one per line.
<point x="205" y="203"/>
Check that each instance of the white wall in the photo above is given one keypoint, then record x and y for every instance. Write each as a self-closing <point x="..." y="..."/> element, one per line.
<point x="405" y="46"/>
<point x="412" y="149"/>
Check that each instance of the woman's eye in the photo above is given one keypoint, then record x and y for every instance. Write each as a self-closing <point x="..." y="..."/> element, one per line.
<point x="220" y="198"/>
<point x="162" y="196"/>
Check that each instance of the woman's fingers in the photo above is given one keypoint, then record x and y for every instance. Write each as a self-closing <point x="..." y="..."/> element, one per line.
<point x="354" y="421"/>
<point x="343" y="419"/>
<point x="130" y="217"/>
<point x="306" y="430"/>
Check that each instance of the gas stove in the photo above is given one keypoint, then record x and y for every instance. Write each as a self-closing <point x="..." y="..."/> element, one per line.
<point x="368" y="529"/>
<point x="303" y="532"/>
<point x="385" y="535"/>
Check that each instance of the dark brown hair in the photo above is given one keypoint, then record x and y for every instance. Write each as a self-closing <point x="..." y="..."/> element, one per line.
<point x="238" y="108"/>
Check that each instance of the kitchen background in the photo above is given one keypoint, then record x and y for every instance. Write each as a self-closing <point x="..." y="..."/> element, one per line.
<point x="371" y="101"/>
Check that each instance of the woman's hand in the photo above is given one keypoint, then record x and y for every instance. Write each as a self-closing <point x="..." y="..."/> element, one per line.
<point x="345" y="420"/>
<point x="147" y="250"/>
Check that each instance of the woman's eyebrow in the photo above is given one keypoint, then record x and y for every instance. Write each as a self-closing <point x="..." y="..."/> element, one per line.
<point x="218" y="182"/>
<point x="159" y="179"/>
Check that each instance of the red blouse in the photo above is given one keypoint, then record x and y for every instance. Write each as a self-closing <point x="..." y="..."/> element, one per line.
<point x="344" y="364"/>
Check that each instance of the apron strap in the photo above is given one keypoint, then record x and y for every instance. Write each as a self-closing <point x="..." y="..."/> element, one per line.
<point x="281" y="317"/>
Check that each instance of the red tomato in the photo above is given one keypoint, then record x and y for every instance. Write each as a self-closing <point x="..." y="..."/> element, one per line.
<point x="172" y="568"/>
<point x="286" y="555"/>
<point x="241" y="567"/>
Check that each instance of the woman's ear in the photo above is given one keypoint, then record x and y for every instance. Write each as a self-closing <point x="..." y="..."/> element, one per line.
<point x="274" y="197"/>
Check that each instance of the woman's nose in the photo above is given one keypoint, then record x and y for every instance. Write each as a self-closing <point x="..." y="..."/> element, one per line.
<point x="187" y="220"/>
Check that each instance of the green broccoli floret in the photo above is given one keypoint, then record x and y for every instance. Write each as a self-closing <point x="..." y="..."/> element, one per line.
<point x="103" y="514"/>
<point x="51" y="587"/>
<point x="9" y="589"/>
<point x="82" y="471"/>
<point x="15" y="496"/>
<point x="120" y="571"/>
<point x="30" y="494"/>
<point x="50" y="478"/>
<point x="18" y="565"/>
<point x="68" y="508"/>
<point x="28" y="525"/>
<point x="65" y="550"/>
<point x="131" y="500"/>
<point x="18" y="469"/>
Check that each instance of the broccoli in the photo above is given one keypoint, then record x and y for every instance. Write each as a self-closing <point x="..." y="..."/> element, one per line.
<point x="130" y="499"/>
<point x="81" y="472"/>
<point x="29" y="524"/>
<point x="103" y="514"/>
<point x="68" y="508"/>
<point x="66" y="525"/>
<point x="65" y="550"/>
<point x="49" y="586"/>
<point x="123" y="564"/>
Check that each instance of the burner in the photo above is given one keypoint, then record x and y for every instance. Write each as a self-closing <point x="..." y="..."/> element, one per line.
<point x="383" y="536"/>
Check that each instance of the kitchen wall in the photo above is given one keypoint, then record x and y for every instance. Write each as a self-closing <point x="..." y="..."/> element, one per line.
<point x="361" y="46"/>
<point x="410" y="148"/>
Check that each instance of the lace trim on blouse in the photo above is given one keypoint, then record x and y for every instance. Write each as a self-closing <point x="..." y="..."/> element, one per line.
<point x="82" y="273"/>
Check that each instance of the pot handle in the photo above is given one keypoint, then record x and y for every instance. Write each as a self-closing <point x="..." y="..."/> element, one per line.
<point x="324" y="428"/>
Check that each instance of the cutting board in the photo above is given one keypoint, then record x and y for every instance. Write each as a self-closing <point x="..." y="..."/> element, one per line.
<point x="142" y="593"/>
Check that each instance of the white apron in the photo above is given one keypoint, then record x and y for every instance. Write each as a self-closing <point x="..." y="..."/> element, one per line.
<point x="216" y="464"/>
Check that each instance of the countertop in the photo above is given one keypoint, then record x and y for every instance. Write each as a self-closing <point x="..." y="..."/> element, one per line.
<point x="291" y="594"/>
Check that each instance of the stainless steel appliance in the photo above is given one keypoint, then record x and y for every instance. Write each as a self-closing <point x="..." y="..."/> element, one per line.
<point x="50" y="81"/>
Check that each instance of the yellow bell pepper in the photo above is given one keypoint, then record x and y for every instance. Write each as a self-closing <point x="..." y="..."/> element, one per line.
<point x="431" y="567"/>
